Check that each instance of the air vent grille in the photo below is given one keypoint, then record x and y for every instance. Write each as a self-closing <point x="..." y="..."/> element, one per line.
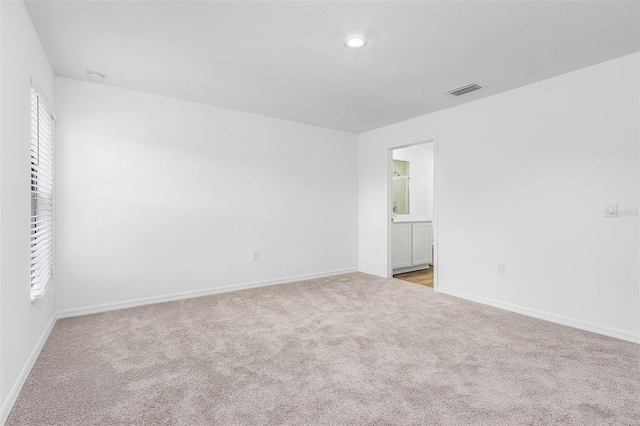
<point x="463" y="90"/>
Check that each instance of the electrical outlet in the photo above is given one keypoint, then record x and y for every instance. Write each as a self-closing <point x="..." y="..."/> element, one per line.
<point x="500" y="268"/>
<point x="256" y="256"/>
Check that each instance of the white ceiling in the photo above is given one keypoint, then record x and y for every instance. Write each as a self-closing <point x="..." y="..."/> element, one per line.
<point x="287" y="59"/>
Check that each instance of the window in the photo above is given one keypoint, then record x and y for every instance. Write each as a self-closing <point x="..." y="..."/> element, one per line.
<point x="42" y="125"/>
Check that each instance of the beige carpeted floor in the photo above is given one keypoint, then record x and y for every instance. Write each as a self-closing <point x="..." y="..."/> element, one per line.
<point x="346" y="350"/>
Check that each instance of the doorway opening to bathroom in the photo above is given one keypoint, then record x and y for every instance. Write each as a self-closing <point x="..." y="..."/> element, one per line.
<point x="412" y="213"/>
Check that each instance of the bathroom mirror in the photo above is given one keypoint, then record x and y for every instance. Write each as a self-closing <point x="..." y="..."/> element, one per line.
<point x="400" y="187"/>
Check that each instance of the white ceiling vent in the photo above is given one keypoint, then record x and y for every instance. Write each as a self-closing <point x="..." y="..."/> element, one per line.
<point x="463" y="90"/>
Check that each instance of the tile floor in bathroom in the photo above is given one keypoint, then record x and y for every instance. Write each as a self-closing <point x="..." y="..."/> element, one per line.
<point x="421" y="277"/>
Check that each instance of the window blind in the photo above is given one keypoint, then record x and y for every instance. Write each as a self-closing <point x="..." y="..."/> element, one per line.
<point x="42" y="130"/>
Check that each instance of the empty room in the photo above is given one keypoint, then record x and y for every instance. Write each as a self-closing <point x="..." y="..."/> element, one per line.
<point x="319" y="212"/>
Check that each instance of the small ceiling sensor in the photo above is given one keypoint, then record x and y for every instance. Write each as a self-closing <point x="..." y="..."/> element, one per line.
<point x="355" y="41"/>
<point x="95" y="76"/>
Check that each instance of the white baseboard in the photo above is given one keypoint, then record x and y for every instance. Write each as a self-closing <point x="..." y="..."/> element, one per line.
<point x="371" y="272"/>
<point x="94" y="309"/>
<point x="547" y="316"/>
<point x="22" y="378"/>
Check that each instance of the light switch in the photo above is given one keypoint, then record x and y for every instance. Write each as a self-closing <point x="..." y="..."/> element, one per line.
<point x="612" y="210"/>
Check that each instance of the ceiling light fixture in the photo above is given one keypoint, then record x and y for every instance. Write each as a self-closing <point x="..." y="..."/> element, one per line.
<point x="355" y="41"/>
<point x="95" y="76"/>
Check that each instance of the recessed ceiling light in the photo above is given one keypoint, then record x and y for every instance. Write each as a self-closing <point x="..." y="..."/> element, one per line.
<point x="95" y="76"/>
<point x="355" y="41"/>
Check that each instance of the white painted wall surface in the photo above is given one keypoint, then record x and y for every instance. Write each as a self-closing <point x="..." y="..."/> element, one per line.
<point x="159" y="196"/>
<point x="420" y="158"/>
<point x="523" y="178"/>
<point x="23" y="325"/>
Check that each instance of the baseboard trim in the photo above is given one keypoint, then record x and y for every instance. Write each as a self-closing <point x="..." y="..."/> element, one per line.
<point x="22" y="378"/>
<point x="371" y="272"/>
<point x="94" y="309"/>
<point x="547" y="316"/>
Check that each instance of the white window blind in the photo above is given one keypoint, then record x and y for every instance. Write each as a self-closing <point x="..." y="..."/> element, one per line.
<point x="42" y="128"/>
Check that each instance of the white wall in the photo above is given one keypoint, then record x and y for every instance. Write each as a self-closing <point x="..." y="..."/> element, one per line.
<point x="523" y="178"/>
<point x="23" y="325"/>
<point x="159" y="196"/>
<point x="420" y="158"/>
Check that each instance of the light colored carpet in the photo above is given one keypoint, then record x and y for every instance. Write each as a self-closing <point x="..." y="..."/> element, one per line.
<point x="346" y="350"/>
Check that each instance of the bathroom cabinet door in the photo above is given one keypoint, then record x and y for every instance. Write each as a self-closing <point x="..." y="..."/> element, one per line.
<point x="421" y="244"/>
<point x="401" y="245"/>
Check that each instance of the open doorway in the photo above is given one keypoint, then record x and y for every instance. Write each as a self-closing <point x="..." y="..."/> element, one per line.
<point x="411" y="205"/>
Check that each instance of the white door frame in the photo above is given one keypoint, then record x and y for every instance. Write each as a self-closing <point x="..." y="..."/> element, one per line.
<point x="433" y="140"/>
